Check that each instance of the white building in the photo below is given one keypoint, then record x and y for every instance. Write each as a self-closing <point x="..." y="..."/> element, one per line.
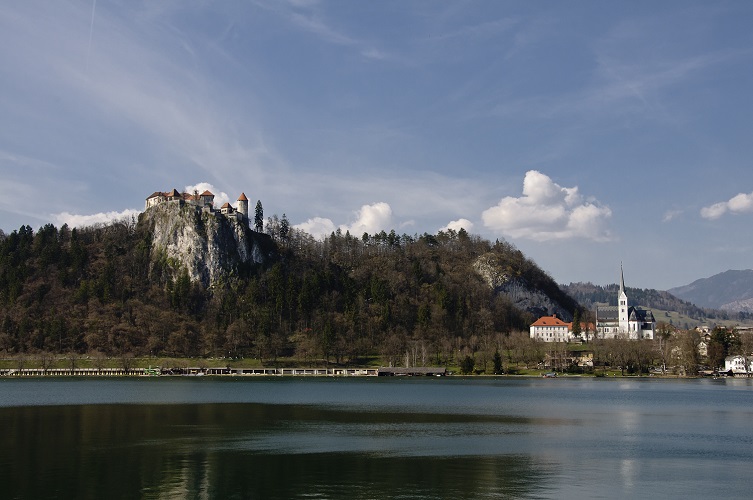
<point x="738" y="365"/>
<point x="623" y="320"/>
<point x="551" y="329"/>
<point x="203" y="201"/>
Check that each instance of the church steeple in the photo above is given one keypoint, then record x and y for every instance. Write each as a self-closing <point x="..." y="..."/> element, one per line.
<point x="622" y="304"/>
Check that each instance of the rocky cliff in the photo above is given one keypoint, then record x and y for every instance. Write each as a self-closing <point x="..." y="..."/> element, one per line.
<point x="519" y="288"/>
<point x="208" y="245"/>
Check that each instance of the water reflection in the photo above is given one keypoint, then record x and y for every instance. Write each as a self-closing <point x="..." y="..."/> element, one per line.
<point x="489" y="438"/>
<point x="257" y="451"/>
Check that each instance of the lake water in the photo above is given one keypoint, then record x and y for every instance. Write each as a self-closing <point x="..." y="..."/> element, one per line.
<point x="359" y="438"/>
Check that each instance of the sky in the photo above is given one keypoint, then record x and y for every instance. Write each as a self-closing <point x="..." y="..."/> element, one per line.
<point x="589" y="134"/>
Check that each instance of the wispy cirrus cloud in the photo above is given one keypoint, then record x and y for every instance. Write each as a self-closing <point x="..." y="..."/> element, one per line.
<point x="311" y="17"/>
<point x="670" y="215"/>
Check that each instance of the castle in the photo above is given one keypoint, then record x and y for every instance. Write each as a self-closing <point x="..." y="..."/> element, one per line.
<point x="203" y="201"/>
<point x="624" y="321"/>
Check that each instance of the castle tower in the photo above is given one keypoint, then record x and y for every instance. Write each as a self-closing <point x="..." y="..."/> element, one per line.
<point x="622" y="304"/>
<point x="243" y="205"/>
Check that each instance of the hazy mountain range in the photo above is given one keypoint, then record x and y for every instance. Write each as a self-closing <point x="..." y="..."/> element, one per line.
<point x="726" y="295"/>
<point x="730" y="291"/>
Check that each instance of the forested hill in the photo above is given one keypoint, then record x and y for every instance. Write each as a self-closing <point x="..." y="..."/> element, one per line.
<point x="588" y="294"/>
<point x="105" y="289"/>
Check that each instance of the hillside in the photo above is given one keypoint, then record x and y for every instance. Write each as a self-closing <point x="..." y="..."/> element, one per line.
<point x="730" y="291"/>
<point x="143" y="288"/>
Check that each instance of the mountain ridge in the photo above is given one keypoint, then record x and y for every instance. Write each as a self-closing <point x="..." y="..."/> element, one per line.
<point x="731" y="290"/>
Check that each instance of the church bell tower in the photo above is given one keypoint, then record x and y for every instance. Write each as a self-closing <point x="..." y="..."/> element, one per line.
<point x="622" y="304"/>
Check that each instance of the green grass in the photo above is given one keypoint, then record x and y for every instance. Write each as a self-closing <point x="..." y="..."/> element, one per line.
<point x="686" y="322"/>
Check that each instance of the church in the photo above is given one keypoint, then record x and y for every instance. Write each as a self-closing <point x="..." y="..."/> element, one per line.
<point x="624" y="321"/>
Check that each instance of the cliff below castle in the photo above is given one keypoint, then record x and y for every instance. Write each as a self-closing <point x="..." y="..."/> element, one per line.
<point x="207" y="245"/>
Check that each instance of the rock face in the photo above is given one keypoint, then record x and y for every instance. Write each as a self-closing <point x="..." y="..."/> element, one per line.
<point x="208" y="245"/>
<point x="523" y="295"/>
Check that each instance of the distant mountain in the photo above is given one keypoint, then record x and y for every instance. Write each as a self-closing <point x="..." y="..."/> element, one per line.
<point x="729" y="291"/>
<point x="588" y="295"/>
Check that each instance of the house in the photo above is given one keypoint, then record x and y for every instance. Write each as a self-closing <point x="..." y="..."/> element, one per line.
<point x="623" y="320"/>
<point x="551" y="329"/>
<point x="703" y="348"/>
<point x="560" y="359"/>
<point x="738" y="365"/>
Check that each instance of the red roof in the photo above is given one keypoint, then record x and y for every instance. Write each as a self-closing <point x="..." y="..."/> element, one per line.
<point x="207" y="193"/>
<point x="242" y="197"/>
<point x="550" y="321"/>
<point x="227" y="205"/>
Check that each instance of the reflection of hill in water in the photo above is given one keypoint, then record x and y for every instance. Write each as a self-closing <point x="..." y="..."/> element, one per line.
<point x="374" y="438"/>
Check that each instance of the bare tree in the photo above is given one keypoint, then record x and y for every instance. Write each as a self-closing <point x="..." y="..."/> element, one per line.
<point x="46" y="360"/>
<point x="127" y="361"/>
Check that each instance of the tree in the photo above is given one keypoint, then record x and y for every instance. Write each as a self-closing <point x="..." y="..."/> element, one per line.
<point x="576" y="323"/>
<point x="259" y="217"/>
<point x="497" y="361"/>
<point x="723" y="343"/>
<point x="46" y="360"/>
<point x="466" y="365"/>
<point x="284" y="227"/>
<point x="687" y="357"/>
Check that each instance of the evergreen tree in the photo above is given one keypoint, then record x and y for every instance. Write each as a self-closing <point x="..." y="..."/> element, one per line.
<point x="497" y="360"/>
<point x="284" y="227"/>
<point x="576" y="324"/>
<point x="259" y="217"/>
<point x="467" y="365"/>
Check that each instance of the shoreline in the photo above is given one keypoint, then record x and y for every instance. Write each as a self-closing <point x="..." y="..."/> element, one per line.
<point x="221" y="371"/>
<point x="29" y="373"/>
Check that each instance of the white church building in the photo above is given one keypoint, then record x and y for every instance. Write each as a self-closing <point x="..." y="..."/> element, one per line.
<point x="623" y="320"/>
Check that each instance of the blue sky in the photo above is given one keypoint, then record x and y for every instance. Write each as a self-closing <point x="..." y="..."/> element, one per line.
<point x="587" y="133"/>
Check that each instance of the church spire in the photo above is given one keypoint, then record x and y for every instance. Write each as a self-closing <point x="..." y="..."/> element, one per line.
<point x="622" y="304"/>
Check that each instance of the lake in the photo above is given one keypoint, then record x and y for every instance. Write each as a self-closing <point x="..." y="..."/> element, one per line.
<point x="375" y="438"/>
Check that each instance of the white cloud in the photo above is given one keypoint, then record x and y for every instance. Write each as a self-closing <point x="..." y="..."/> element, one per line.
<point x="75" y="220"/>
<point x="220" y="197"/>
<point x="318" y="227"/>
<point x="741" y="203"/>
<point x="369" y="219"/>
<point x="670" y="215"/>
<point x="548" y="211"/>
<point x="459" y="224"/>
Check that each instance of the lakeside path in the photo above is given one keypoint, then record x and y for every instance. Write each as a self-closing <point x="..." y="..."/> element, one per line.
<point x="223" y="371"/>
